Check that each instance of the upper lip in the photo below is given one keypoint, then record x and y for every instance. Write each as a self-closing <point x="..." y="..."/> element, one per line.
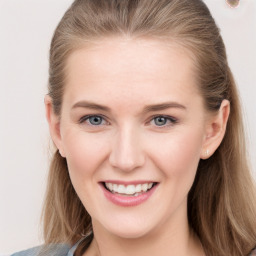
<point x="135" y="182"/>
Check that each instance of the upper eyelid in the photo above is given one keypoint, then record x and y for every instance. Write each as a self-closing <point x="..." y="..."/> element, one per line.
<point x="165" y="116"/>
<point x="170" y="118"/>
<point x="86" y="117"/>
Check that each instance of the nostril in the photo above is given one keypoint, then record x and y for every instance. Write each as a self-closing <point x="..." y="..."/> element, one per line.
<point x="126" y="162"/>
<point x="233" y="3"/>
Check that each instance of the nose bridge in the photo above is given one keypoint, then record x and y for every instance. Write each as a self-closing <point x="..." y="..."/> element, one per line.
<point x="127" y="152"/>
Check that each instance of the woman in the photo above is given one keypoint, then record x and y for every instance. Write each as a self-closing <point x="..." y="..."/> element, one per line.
<point x="145" y="115"/>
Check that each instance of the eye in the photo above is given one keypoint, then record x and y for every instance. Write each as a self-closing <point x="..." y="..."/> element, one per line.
<point x="93" y="120"/>
<point x="163" y="120"/>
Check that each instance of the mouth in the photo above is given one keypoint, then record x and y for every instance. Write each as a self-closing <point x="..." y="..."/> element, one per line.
<point x="130" y="190"/>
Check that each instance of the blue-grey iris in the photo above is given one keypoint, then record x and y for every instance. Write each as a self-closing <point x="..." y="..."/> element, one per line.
<point x="160" y="121"/>
<point x="95" y="120"/>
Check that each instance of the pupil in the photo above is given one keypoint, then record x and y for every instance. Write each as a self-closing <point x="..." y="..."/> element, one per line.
<point x="160" y="120"/>
<point x="95" y="120"/>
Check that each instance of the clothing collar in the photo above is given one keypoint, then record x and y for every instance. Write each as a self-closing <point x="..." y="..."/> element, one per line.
<point x="73" y="249"/>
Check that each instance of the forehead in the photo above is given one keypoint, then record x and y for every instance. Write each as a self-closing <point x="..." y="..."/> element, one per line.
<point x="130" y="69"/>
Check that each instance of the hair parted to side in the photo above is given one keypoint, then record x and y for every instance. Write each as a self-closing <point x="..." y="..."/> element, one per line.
<point x="221" y="203"/>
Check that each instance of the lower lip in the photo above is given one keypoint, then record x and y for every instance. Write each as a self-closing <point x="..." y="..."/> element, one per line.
<point x="128" y="200"/>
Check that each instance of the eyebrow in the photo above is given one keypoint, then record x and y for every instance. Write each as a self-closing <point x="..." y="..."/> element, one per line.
<point x="90" y="105"/>
<point x="147" y="108"/>
<point x="163" y="106"/>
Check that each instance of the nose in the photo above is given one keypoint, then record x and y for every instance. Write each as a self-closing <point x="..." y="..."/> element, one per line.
<point x="127" y="152"/>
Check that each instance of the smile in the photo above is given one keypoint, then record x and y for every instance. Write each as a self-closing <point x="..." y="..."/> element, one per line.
<point x="128" y="190"/>
<point x="128" y="194"/>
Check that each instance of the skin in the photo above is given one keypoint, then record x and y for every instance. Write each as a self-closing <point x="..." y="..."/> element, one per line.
<point x="126" y="75"/>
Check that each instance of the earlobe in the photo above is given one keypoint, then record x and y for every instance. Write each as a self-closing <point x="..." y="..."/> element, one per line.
<point x="215" y="130"/>
<point x="54" y="124"/>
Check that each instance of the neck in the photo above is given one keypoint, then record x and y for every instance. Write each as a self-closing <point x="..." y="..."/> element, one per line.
<point x="173" y="239"/>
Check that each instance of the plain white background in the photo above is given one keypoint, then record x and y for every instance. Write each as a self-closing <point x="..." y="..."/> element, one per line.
<point x="26" y="28"/>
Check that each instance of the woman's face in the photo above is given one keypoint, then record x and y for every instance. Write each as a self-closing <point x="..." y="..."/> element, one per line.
<point x="132" y="118"/>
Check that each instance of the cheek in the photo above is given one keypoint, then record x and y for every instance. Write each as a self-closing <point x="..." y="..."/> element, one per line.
<point x="177" y="159"/>
<point x="84" y="152"/>
<point x="178" y="154"/>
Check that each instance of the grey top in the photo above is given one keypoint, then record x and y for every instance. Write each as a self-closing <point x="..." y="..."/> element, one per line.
<point x="61" y="250"/>
<point x="51" y="250"/>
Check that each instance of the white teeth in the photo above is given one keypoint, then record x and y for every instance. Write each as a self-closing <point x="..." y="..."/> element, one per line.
<point x="144" y="187"/>
<point x="121" y="189"/>
<point x="110" y="186"/>
<point x="138" y="188"/>
<point x="130" y="189"/>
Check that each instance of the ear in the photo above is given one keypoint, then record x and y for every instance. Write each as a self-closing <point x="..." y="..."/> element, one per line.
<point x="54" y="124"/>
<point x="215" y="130"/>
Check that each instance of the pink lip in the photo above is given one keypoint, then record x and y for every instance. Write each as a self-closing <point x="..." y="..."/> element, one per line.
<point x="126" y="201"/>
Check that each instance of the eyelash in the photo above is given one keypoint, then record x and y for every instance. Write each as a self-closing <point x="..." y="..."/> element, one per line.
<point x="85" y="118"/>
<point x="171" y="120"/>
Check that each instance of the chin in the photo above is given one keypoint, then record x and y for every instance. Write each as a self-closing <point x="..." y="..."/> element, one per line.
<point x="129" y="230"/>
<point x="129" y="234"/>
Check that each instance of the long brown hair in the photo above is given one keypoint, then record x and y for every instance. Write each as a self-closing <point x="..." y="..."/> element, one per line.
<point x="221" y="202"/>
